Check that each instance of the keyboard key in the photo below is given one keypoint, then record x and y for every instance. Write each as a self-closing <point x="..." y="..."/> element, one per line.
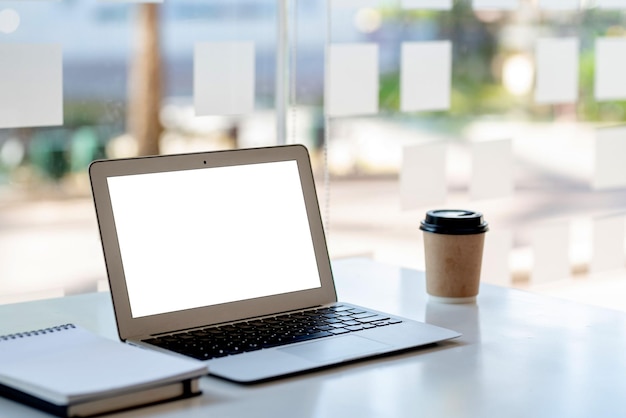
<point x="351" y="323"/>
<point x="339" y="331"/>
<point x="373" y="318"/>
<point x="381" y="323"/>
<point x="363" y="315"/>
<point x="229" y="328"/>
<point x="313" y="336"/>
<point x="199" y="333"/>
<point x="356" y="311"/>
<point x="252" y="347"/>
<point x="339" y="308"/>
<point x="219" y="353"/>
<point x="325" y="327"/>
<point x="355" y="328"/>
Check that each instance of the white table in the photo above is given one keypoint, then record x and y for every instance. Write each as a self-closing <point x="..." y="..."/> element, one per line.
<point x="521" y="355"/>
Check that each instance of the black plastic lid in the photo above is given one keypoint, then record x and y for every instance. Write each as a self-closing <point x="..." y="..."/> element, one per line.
<point x="454" y="222"/>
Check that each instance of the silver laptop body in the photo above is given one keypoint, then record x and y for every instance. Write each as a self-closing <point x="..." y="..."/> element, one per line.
<point x="210" y="239"/>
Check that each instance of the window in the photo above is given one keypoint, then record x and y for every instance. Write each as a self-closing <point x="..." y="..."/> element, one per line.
<point x="510" y="107"/>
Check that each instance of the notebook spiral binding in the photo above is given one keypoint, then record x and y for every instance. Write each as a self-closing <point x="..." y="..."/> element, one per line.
<point x="37" y="332"/>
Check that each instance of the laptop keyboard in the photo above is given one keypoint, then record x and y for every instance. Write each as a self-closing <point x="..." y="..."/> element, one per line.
<point x="240" y="337"/>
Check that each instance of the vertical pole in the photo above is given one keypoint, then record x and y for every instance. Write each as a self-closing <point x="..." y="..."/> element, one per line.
<point x="282" y="71"/>
<point x="145" y="82"/>
<point x="328" y="41"/>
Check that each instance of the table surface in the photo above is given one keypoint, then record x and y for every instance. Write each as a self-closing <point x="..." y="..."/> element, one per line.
<point x="521" y="355"/>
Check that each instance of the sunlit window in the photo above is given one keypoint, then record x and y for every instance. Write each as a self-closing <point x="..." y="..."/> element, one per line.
<point x="510" y="107"/>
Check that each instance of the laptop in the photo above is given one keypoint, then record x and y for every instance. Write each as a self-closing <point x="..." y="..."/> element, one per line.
<point x="221" y="256"/>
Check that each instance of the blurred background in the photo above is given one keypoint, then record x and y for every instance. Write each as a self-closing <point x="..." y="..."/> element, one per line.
<point x="128" y="89"/>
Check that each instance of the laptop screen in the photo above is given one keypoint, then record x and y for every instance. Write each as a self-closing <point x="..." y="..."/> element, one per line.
<point x="203" y="237"/>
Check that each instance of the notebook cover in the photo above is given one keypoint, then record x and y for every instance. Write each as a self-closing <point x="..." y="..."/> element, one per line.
<point x="65" y="410"/>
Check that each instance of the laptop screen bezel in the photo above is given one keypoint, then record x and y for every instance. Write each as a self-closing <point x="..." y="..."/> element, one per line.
<point x="133" y="328"/>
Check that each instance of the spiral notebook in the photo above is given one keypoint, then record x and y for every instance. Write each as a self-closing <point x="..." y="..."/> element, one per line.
<point x="69" y="371"/>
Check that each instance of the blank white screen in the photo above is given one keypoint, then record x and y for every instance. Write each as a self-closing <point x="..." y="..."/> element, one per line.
<point x="208" y="236"/>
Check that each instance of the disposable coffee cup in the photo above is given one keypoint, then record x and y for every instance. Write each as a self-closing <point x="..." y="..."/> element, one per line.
<point x="453" y="248"/>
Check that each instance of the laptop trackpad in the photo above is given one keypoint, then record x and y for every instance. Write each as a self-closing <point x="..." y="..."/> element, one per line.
<point x="343" y="347"/>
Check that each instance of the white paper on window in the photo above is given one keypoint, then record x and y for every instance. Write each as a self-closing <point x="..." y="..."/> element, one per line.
<point x="9" y="21"/>
<point x="608" y="244"/>
<point x="496" y="268"/>
<point x="31" y="82"/>
<point x="559" y="4"/>
<point x="425" y="76"/>
<point x="550" y="249"/>
<point x="352" y="80"/>
<point x="492" y="169"/>
<point x="423" y="175"/>
<point x="611" y="4"/>
<point x="556" y="70"/>
<point x="224" y="78"/>
<point x="609" y="167"/>
<point x="610" y="83"/>
<point x="495" y="4"/>
<point x="426" y="4"/>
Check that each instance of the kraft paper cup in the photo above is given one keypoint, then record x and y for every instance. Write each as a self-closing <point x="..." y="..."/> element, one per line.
<point x="453" y="246"/>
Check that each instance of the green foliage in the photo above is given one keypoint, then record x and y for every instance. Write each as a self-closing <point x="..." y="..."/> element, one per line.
<point x="478" y="52"/>
<point x="88" y="113"/>
<point x="588" y="107"/>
